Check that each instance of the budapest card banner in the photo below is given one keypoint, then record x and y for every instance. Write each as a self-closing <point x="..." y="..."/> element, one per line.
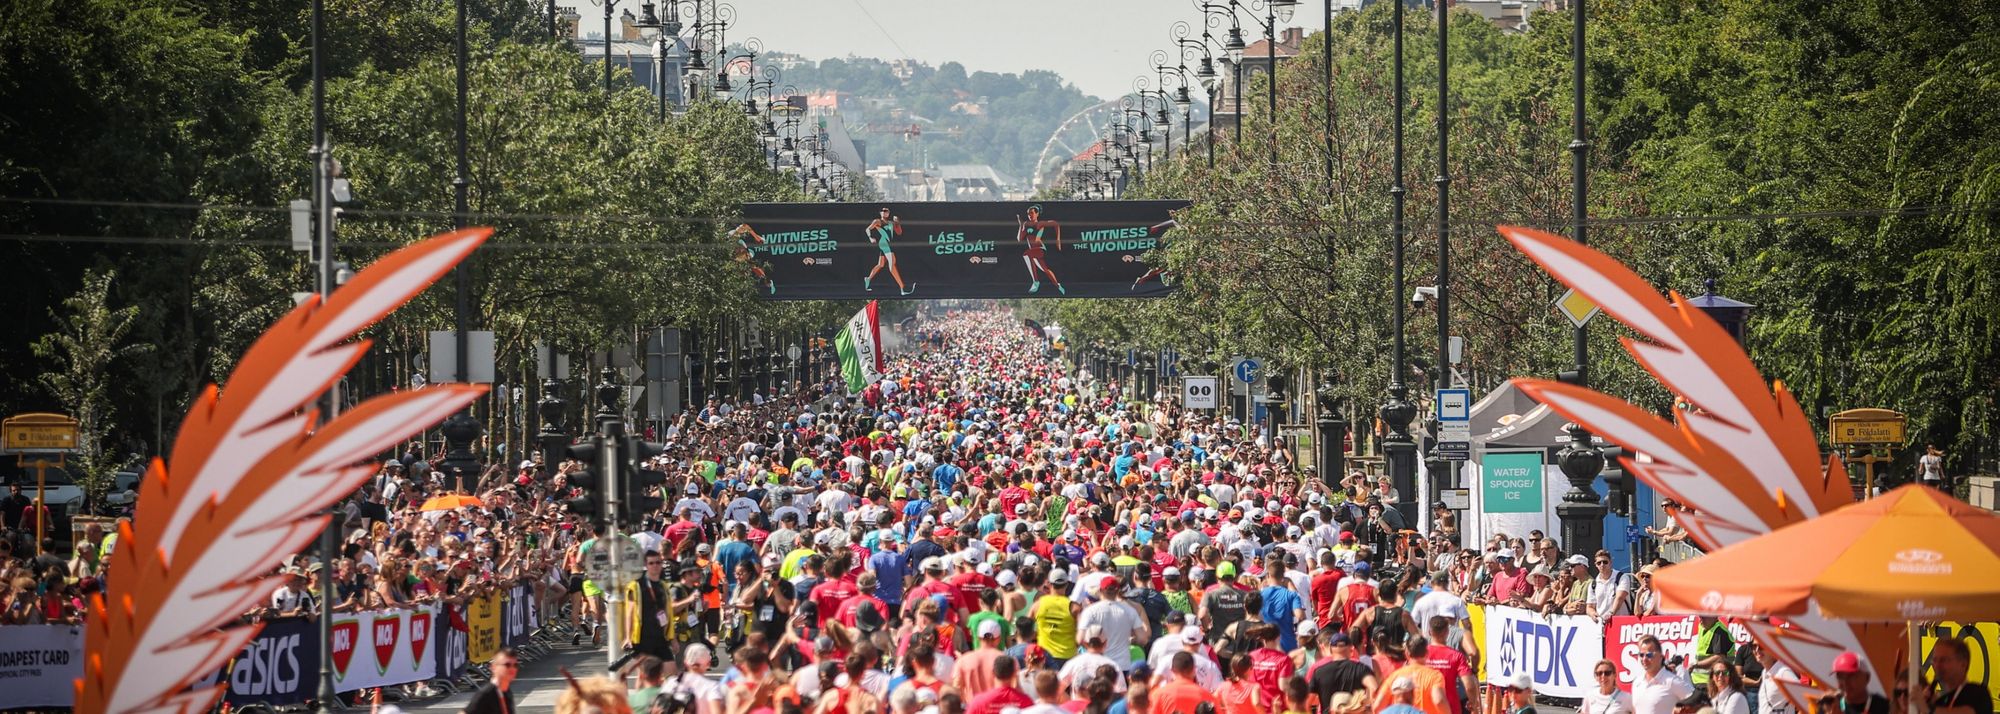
<point x="924" y="251"/>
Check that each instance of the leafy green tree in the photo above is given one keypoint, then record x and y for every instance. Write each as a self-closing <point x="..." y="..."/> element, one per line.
<point x="90" y="340"/>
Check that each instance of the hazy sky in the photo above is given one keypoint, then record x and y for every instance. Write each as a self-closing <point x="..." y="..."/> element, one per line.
<point x="1098" y="45"/>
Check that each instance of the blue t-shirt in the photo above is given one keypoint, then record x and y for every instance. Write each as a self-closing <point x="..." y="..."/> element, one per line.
<point x="1280" y="605"/>
<point x="946" y="475"/>
<point x="890" y="568"/>
<point x="1121" y="465"/>
<point x="732" y="554"/>
<point x="988" y="524"/>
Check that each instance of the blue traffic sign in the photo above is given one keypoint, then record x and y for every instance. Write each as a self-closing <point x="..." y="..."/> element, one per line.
<point x="1246" y="370"/>
<point x="1454" y="405"/>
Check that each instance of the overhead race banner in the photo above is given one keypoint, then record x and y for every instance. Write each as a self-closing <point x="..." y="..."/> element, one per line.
<point x="924" y="251"/>
<point x="1557" y="651"/>
<point x="39" y="665"/>
<point x="860" y="348"/>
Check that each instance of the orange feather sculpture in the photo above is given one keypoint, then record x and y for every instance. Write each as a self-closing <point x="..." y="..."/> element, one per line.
<point x="248" y="485"/>
<point x="1746" y="459"/>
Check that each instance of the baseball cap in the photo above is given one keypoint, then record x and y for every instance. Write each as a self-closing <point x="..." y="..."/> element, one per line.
<point x="1846" y="663"/>
<point x="526" y="465"/>
<point x="1093" y="633"/>
<point x="1006" y="578"/>
<point x="1403" y="684"/>
<point x="1170" y="571"/>
<point x="701" y="548"/>
<point x="1578" y="559"/>
<point x="1191" y="635"/>
<point x="1059" y="576"/>
<point x="1505" y="554"/>
<point x="989" y="628"/>
<point x="1020" y="508"/>
<point x="1347" y="536"/>
<point x="1521" y="681"/>
<point x="1226" y="570"/>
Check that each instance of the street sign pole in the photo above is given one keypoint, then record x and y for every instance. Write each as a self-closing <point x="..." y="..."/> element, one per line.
<point x="614" y="596"/>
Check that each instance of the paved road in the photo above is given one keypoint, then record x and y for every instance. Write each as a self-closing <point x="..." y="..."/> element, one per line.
<point x="541" y="682"/>
<point x="535" y="690"/>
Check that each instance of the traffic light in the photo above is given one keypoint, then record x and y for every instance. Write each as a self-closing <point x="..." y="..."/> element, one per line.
<point x="589" y="501"/>
<point x="636" y="494"/>
<point x="1620" y="486"/>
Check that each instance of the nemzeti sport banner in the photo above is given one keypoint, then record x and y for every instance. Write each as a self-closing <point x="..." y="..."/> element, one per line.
<point x="1558" y="651"/>
<point x="924" y="251"/>
<point x="39" y="665"/>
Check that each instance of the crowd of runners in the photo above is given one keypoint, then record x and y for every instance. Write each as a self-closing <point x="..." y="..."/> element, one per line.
<point x="988" y="531"/>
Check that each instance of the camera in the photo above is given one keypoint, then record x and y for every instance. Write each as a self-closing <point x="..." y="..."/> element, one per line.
<point x="678" y="701"/>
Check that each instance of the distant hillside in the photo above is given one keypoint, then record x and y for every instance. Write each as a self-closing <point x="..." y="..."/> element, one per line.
<point x="959" y="118"/>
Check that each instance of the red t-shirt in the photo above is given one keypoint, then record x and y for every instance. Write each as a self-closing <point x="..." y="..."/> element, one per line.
<point x="1324" y="588"/>
<point x="827" y="597"/>
<point x="970" y="587"/>
<point x="998" y="698"/>
<point x="848" y="609"/>
<point x="1451" y="663"/>
<point x="679" y="532"/>
<point x="1269" y="668"/>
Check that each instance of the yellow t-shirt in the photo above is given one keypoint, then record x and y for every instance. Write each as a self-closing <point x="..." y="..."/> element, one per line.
<point x="1055" y="626"/>
<point x="793" y="561"/>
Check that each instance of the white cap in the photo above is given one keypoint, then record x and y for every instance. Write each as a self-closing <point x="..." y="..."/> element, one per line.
<point x="1093" y="632"/>
<point x="1170" y="571"/>
<point x="1059" y="576"/>
<point x="933" y="563"/>
<point x="1578" y="559"/>
<point x="1191" y="635"/>
<point x="989" y="628"/>
<point x="1521" y="680"/>
<point x="1006" y="578"/>
<point x="1507" y="553"/>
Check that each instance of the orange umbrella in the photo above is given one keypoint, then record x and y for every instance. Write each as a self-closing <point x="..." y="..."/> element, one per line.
<point x="1911" y="554"/>
<point x="451" y="501"/>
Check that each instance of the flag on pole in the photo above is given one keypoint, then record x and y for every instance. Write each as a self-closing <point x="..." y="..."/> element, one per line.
<point x="860" y="348"/>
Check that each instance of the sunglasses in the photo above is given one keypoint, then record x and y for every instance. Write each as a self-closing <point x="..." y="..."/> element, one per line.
<point x="1605" y="673"/>
<point x="1648" y="655"/>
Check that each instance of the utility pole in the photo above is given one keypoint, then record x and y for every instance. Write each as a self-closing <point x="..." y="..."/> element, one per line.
<point x="612" y="428"/>
<point x="1446" y="475"/>
<point x="322" y="208"/>
<point x="1581" y="513"/>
